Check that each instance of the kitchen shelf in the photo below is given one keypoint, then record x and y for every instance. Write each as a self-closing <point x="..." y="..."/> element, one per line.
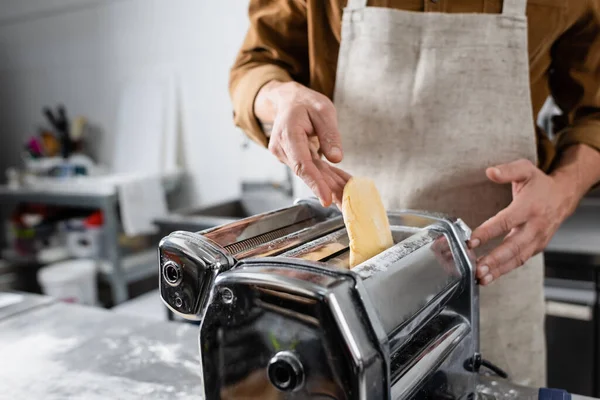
<point x="134" y="267"/>
<point x="11" y="256"/>
<point x="120" y="274"/>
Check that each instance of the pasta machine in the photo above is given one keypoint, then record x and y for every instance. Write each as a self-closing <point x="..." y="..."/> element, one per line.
<point x="282" y="316"/>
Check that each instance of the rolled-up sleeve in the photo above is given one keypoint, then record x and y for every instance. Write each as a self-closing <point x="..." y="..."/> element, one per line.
<point x="275" y="48"/>
<point x="575" y="82"/>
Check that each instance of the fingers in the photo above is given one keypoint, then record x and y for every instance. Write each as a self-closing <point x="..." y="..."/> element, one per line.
<point x="295" y="152"/>
<point x="276" y="149"/>
<point x="521" y="172"/>
<point x="315" y="146"/>
<point x="511" y="217"/>
<point x="337" y="182"/>
<point x="305" y="125"/>
<point x="342" y="178"/>
<point x="341" y="173"/>
<point x="324" y="119"/>
<point x="517" y="171"/>
<point x="516" y="249"/>
<point x="333" y="181"/>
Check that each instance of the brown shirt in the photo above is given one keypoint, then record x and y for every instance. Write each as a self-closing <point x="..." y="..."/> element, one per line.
<point x="299" y="40"/>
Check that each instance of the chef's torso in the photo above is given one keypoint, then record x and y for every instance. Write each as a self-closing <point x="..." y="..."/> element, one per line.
<point x="426" y="102"/>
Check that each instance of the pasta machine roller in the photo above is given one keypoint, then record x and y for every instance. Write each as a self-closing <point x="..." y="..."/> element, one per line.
<point x="282" y="316"/>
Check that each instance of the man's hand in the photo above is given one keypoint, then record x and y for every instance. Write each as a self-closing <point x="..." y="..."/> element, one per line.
<point x="540" y="204"/>
<point x="304" y="126"/>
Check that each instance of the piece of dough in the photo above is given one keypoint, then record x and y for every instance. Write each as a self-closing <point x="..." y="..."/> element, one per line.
<point x="365" y="219"/>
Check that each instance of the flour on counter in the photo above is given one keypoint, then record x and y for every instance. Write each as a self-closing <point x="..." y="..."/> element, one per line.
<point x="34" y="364"/>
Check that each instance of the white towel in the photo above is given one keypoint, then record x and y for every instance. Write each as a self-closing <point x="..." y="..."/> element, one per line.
<point x="142" y="200"/>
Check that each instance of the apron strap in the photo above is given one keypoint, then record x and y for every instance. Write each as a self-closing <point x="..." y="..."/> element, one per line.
<point x="356" y="4"/>
<point x="514" y="7"/>
<point x="510" y="7"/>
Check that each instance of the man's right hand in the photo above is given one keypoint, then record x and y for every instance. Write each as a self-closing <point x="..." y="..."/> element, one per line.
<point x="304" y="125"/>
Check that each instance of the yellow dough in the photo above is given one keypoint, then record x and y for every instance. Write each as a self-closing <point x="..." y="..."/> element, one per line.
<point x="365" y="219"/>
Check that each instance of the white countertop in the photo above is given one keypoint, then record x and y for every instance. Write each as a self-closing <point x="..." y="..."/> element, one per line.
<point x="59" y="351"/>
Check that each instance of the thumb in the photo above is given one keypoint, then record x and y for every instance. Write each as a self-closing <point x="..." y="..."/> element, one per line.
<point x="516" y="171"/>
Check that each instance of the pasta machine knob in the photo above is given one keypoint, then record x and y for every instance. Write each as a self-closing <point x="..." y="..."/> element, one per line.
<point x="286" y="372"/>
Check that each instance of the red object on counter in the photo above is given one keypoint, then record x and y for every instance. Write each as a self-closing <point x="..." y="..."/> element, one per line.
<point x="95" y="220"/>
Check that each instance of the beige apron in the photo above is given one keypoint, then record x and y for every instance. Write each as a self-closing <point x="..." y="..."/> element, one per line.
<point x="427" y="101"/>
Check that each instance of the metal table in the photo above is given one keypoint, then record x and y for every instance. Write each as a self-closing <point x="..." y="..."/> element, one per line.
<point x="491" y="388"/>
<point x="57" y="351"/>
<point x="52" y="350"/>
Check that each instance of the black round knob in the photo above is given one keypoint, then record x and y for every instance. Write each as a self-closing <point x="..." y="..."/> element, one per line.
<point x="286" y="372"/>
<point x="172" y="273"/>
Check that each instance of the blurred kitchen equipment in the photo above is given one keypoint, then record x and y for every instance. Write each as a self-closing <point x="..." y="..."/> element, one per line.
<point x="195" y="219"/>
<point x="84" y="236"/>
<point x="572" y="323"/>
<point x="50" y="143"/>
<point x="572" y="289"/>
<point x="13" y="178"/>
<point x="60" y="122"/>
<point x="35" y="147"/>
<point x="71" y="281"/>
<point x="9" y="277"/>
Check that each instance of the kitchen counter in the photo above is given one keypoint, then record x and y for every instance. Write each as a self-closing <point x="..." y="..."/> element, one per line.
<point x="52" y="350"/>
<point x="579" y="234"/>
<point x="491" y="388"/>
<point x="14" y="303"/>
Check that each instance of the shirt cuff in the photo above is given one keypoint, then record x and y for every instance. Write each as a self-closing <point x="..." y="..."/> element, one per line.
<point x="585" y="132"/>
<point x="243" y="99"/>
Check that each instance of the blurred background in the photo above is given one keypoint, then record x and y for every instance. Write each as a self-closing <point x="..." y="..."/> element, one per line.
<point x="117" y="129"/>
<point x="142" y="88"/>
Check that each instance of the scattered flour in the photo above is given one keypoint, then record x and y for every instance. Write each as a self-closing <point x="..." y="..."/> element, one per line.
<point x="31" y="368"/>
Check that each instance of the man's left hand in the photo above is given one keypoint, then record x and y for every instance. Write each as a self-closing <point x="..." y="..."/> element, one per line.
<point x="540" y="204"/>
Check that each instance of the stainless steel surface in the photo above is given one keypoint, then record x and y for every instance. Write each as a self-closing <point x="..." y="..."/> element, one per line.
<point x="296" y="306"/>
<point x="293" y="239"/>
<point x="202" y="256"/>
<point x="441" y="344"/>
<point x="403" y="281"/>
<point x="14" y="303"/>
<point x="57" y="351"/>
<point x="580" y="233"/>
<point x="402" y="323"/>
<point x="492" y="388"/>
<point x="198" y="261"/>
<point x="258" y="224"/>
<point x="253" y="242"/>
<point x="321" y="248"/>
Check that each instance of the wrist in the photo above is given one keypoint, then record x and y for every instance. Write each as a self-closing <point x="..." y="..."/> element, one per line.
<point x="569" y="191"/>
<point x="265" y="103"/>
<point x="575" y="174"/>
